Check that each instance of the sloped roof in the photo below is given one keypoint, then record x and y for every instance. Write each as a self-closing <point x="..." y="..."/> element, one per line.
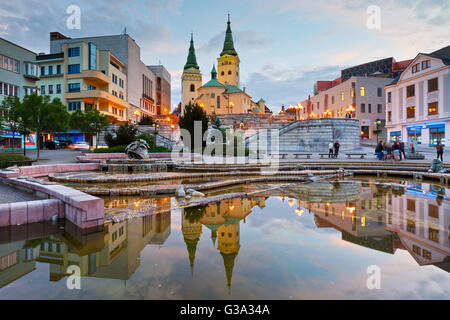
<point x="232" y="89"/>
<point x="213" y="83"/>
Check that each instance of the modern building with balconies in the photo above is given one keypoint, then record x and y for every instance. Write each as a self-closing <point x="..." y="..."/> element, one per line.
<point x="83" y="76"/>
<point x="418" y="103"/>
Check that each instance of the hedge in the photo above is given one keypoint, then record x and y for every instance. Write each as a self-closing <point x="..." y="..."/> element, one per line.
<point x="7" y="158"/>
<point x="121" y="149"/>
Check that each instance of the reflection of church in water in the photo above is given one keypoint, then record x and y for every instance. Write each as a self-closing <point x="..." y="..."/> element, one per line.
<point x="223" y="220"/>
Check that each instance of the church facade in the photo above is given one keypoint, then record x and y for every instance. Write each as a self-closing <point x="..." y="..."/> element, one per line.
<point x="222" y="93"/>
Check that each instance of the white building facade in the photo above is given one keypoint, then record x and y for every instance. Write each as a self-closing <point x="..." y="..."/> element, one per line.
<point x="417" y="103"/>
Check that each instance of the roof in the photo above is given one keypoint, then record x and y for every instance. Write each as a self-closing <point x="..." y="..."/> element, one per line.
<point x="228" y="45"/>
<point x="191" y="59"/>
<point x="443" y="54"/>
<point x="213" y="83"/>
<point x="232" y="89"/>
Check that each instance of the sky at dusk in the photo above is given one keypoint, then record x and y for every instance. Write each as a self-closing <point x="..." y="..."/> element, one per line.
<point x="284" y="45"/>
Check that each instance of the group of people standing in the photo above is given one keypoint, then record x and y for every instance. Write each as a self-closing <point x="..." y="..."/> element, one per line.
<point x="334" y="150"/>
<point x="390" y="151"/>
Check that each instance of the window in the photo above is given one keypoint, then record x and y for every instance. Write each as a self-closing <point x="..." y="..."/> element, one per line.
<point x="390" y="116"/>
<point x="218" y="102"/>
<point x="433" y="234"/>
<point x="410" y="91"/>
<point x="74" y="87"/>
<point x="380" y="108"/>
<point x="415" y="68"/>
<point x="380" y="92"/>
<point x="9" y="64"/>
<point x="213" y="95"/>
<point x="58" y="69"/>
<point x="411" y="226"/>
<point x="437" y="134"/>
<point x="352" y="92"/>
<point x="74" y="105"/>
<point x="50" y="89"/>
<point x="363" y="108"/>
<point x="411" y="205"/>
<point x="222" y="73"/>
<point x="417" y="250"/>
<point x="114" y="78"/>
<point x="58" y="88"/>
<point x="90" y="87"/>
<point x="426" y="64"/>
<point x="73" y="52"/>
<point x="426" y="254"/>
<point x="192" y="88"/>
<point x="74" y="68"/>
<point x="42" y="71"/>
<point x="370" y="108"/>
<point x="342" y="96"/>
<point x="229" y="72"/>
<point x="363" y="91"/>
<point x="433" y="211"/>
<point x="433" y="85"/>
<point x="411" y="112"/>
<point x="389" y="97"/>
<point x="92" y="57"/>
<point x="42" y="89"/>
<point x="50" y="70"/>
<point x="433" y="108"/>
<point x="332" y="100"/>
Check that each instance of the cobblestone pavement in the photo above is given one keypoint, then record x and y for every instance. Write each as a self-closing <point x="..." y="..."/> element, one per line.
<point x="9" y="195"/>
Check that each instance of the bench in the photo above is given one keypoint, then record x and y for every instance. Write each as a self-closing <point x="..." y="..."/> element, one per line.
<point x="361" y="155"/>
<point x="297" y="155"/>
<point x="325" y="155"/>
<point x="283" y="155"/>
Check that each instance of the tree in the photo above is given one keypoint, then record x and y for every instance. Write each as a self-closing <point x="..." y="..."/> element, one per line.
<point x="90" y="121"/>
<point x="11" y="120"/>
<point x="124" y="135"/>
<point x="193" y="113"/>
<point x="42" y="115"/>
<point x="146" y="121"/>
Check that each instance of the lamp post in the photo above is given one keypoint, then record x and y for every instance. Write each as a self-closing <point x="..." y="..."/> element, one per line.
<point x="137" y="113"/>
<point x="378" y="122"/>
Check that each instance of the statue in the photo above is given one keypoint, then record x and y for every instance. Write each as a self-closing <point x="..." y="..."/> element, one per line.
<point x="138" y="149"/>
<point x="437" y="166"/>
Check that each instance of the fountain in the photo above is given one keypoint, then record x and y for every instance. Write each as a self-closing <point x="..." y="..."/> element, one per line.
<point x="138" y="161"/>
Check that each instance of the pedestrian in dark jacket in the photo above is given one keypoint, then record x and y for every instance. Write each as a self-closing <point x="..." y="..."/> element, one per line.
<point x="336" y="149"/>
<point x="440" y="150"/>
<point x="402" y="150"/>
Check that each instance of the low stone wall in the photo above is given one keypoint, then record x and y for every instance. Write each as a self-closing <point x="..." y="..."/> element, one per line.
<point x="42" y="171"/>
<point x="100" y="157"/>
<point x="20" y="213"/>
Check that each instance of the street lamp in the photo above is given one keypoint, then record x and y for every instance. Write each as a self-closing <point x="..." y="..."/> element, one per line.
<point x="137" y="113"/>
<point x="378" y="123"/>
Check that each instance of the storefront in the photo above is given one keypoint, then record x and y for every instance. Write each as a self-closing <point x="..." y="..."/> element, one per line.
<point x="415" y="135"/>
<point x="396" y="136"/>
<point x="74" y="136"/>
<point x="437" y="133"/>
<point x="10" y="141"/>
<point x="427" y="133"/>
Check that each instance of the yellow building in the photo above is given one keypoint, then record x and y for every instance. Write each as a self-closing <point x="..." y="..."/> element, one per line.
<point x="222" y="94"/>
<point x="83" y="76"/>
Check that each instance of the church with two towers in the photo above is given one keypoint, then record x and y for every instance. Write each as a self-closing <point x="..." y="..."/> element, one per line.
<point x="222" y="93"/>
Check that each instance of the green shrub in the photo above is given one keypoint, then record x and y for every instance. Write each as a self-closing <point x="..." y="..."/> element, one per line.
<point x="159" y="150"/>
<point x="149" y="138"/>
<point x="6" y="158"/>
<point x="116" y="149"/>
<point x="124" y="135"/>
<point x="146" y="121"/>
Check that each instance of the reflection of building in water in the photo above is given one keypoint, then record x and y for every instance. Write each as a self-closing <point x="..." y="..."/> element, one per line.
<point x="112" y="253"/>
<point x="223" y="219"/>
<point x="421" y="219"/>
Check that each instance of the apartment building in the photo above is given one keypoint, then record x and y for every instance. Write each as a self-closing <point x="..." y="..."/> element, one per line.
<point x="83" y="76"/>
<point x="361" y="98"/>
<point x="163" y="92"/>
<point x="418" y="100"/>
<point x="18" y="75"/>
<point x="141" y="88"/>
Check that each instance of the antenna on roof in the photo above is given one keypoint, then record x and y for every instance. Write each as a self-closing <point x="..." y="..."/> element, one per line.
<point x="125" y="31"/>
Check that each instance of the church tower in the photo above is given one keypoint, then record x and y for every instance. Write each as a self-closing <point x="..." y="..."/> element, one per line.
<point x="191" y="79"/>
<point x="228" y="62"/>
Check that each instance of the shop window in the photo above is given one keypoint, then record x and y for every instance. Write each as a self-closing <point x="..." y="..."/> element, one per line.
<point x="433" y="108"/>
<point x="437" y="134"/>
<point x="396" y="136"/>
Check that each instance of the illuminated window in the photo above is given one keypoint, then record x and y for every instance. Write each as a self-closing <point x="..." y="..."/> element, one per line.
<point x="411" y="226"/>
<point x="363" y="91"/>
<point x="342" y="96"/>
<point x="352" y="92"/>
<point x="411" y="112"/>
<point x="433" y="108"/>
<point x="433" y="234"/>
<point x="390" y="116"/>
<point x="426" y="254"/>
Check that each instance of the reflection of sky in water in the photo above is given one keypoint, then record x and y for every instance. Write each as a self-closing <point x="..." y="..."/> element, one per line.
<point x="281" y="256"/>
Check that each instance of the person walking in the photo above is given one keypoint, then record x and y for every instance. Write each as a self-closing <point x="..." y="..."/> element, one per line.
<point x="336" y="149"/>
<point x="396" y="151"/>
<point x="331" y="151"/>
<point x="440" y="150"/>
<point x="379" y="150"/>
<point x="402" y="150"/>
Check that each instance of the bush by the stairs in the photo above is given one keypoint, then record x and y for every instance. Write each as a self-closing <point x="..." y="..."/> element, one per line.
<point x="123" y="136"/>
<point x="149" y="138"/>
<point x="8" y="159"/>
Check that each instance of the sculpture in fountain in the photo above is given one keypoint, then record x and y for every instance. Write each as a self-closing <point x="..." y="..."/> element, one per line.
<point x="138" y="149"/>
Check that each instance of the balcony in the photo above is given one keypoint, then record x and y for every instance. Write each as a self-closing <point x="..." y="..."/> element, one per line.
<point x="94" y="76"/>
<point x="100" y="95"/>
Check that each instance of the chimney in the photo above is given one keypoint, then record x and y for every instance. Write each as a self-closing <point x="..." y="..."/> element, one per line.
<point x="57" y="36"/>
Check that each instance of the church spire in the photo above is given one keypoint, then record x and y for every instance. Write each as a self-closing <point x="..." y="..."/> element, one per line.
<point x="214" y="72"/>
<point x="191" y="59"/>
<point x="228" y="261"/>
<point x="228" y="46"/>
